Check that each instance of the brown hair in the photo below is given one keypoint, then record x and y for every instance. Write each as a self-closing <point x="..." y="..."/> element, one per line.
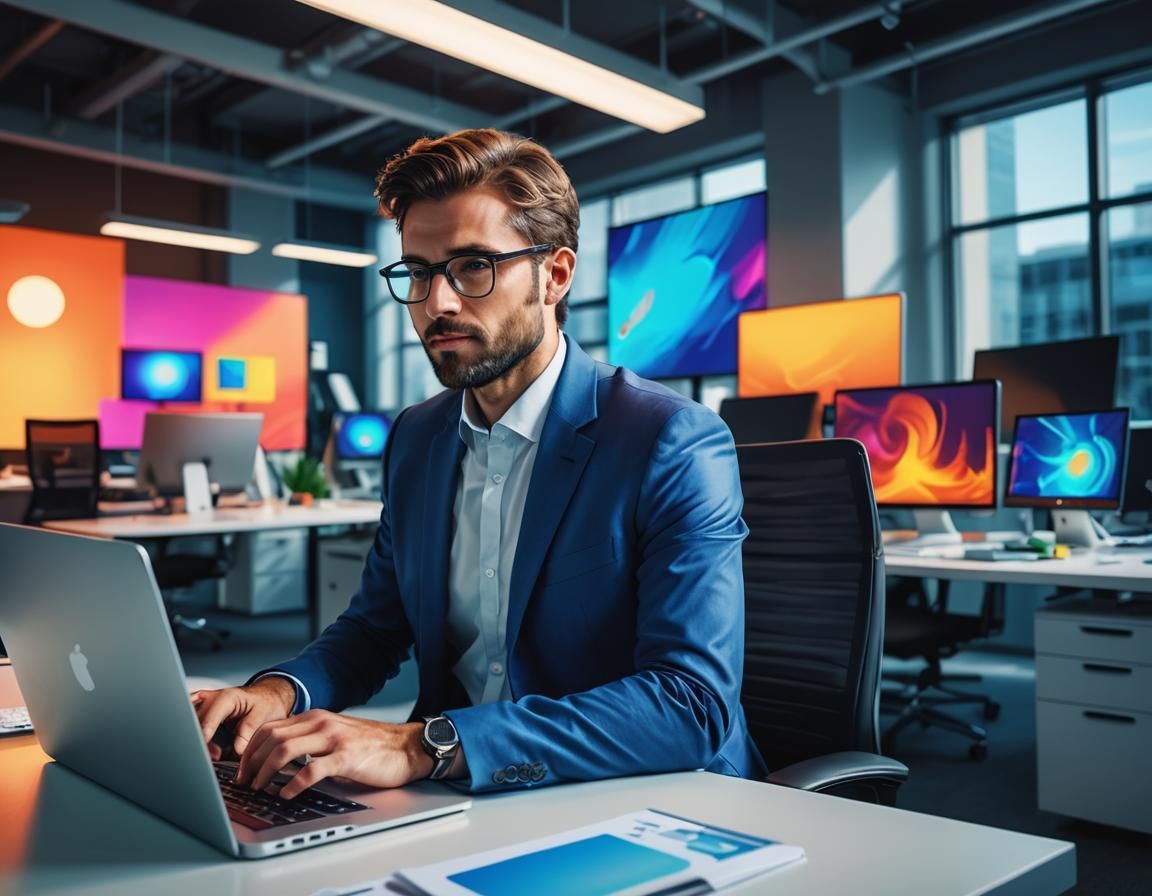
<point x="525" y="173"/>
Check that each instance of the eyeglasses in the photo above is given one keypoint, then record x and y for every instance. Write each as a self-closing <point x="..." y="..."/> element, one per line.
<point x="472" y="276"/>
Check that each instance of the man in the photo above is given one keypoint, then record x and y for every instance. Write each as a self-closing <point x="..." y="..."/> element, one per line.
<point x="560" y="542"/>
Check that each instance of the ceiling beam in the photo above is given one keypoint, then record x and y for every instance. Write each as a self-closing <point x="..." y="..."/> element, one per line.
<point x="763" y="29"/>
<point x="254" y="61"/>
<point x="1039" y="14"/>
<point x="33" y="43"/>
<point x="138" y="75"/>
<point x="78" y="138"/>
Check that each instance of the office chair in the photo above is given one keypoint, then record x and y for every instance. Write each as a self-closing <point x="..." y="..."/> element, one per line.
<point x="918" y="627"/>
<point x="181" y="569"/>
<point x="63" y="458"/>
<point x="814" y="617"/>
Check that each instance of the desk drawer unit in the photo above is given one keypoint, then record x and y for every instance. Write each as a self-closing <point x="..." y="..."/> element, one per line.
<point x="1094" y="711"/>
<point x="269" y="572"/>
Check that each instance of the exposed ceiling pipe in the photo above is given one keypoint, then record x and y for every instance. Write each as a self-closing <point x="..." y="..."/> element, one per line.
<point x="1002" y="27"/>
<point x="44" y="34"/>
<point x="760" y="28"/>
<point x="323" y="141"/>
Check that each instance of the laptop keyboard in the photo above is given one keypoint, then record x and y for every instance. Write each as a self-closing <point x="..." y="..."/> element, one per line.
<point x="261" y="809"/>
<point x="14" y="720"/>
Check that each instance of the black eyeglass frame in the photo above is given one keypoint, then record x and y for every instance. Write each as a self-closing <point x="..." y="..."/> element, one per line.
<point x="441" y="267"/>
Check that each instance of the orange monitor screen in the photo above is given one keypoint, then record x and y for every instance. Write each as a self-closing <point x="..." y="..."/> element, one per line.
<point x="821" y="347"/>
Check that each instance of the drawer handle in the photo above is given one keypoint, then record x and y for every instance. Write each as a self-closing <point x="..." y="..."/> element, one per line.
<point x="1109" y="717"/>
<point x="1111" y="632"/>
<point x="1113" y="670"/>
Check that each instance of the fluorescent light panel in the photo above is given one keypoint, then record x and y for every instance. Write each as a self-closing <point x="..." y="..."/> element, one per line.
<point x="173" y="233"/>
<point x="453" y="32"/>
<point x="326" y="254"/>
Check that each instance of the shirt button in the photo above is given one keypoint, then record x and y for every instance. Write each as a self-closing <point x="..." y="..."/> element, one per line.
<point x="496" y="669"/>
<point x="497" y="478"/>
<point x="489" y="572"/>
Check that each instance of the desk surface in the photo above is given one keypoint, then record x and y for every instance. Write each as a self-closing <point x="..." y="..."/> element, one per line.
<point x="224" y="520"/>
<point x="67" y="832"/>
<point x="1124" y="570"/>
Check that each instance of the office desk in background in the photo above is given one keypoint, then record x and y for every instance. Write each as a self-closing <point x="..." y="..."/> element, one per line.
<point x="236" y="520"/>
<point x="63" y="832"/>
<point x="1123" y="570"/>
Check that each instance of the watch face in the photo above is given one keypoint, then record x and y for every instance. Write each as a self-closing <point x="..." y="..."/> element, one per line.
<point x="441" y="732"/>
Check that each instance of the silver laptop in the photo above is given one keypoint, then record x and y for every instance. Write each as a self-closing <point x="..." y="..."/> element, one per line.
<point x="90" y="643"/>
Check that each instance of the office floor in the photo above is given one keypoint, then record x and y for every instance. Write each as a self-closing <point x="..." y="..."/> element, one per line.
<point x="1000" y="791"/>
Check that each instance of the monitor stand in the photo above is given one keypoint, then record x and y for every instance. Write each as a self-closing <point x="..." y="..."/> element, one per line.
<point x="933" y="527"/>
<point x="1078" y="529"/>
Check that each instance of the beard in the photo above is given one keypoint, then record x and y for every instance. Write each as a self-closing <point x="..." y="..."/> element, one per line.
<point x="519" y="335"/>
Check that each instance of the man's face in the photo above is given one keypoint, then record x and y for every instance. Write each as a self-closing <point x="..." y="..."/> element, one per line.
<point x="474" y="342"/>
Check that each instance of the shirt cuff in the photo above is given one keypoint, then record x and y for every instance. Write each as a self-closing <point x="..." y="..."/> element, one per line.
<point x="303" y="698"/>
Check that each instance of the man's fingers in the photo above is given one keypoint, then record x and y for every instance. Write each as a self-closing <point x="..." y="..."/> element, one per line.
<point x="311" y="774"/>
<point x="285" y="748"/>
<point x="264" y="740"/>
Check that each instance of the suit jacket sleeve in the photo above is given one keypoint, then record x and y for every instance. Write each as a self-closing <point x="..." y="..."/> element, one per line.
<point x="681" y="705"/>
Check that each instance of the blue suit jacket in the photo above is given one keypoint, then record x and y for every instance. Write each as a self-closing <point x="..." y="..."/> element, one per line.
<point x="626" y="606"/>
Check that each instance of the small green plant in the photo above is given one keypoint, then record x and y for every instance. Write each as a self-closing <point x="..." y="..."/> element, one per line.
<point x="306" y="476"/>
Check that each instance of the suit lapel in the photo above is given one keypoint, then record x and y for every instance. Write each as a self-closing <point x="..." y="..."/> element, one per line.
<point x="443" y="473"/>
<point x="560" y="461"/>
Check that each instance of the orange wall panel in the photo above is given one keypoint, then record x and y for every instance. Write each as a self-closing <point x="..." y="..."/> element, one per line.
<point x="65" y="369"/>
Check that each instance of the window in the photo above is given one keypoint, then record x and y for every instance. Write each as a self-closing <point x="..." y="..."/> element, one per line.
<point x="1032" y="210"/>
<point x="401" y="369"/>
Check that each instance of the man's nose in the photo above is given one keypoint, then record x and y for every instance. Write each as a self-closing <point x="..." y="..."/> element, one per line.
<point x="442" y="299"/>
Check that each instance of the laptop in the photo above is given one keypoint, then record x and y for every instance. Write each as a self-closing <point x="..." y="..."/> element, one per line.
<point x="98" y="668"/>
<point x="13" y="714"/>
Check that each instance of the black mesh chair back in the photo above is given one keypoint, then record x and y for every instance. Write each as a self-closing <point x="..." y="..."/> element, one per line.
<point x="814" y="599"/>
<point x="63" y="459"/>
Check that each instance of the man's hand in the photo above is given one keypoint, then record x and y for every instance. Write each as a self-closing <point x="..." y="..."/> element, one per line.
<point x="376" y="754"/>
<point x="267" y="700"/>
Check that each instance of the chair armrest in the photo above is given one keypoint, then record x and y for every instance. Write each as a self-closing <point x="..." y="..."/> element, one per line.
<point x="836" y="769"/>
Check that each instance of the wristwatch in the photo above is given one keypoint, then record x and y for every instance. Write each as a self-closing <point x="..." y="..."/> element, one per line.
<point x="441" y="742"/>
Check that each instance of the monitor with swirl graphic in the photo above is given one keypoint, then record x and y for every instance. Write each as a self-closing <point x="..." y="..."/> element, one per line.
<point x="678" y="283"/>
<point x="1068" y="460"/>
<point x="821" y="347"/>
<point x="929" y="447"/>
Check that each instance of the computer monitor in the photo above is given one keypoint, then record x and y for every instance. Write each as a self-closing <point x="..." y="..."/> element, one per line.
<point x="1067" y="377"/>
<point x="160" y="375"/>
<point x="225" y="443"/>
<point x="677" y="283"/>
<point x="1070" y="464"/>
<point x="773" y="418"/>
<point x="930" y="448"/>
<point x="361" y="436"/>
<point x="821" y="347"/>
<point x="1138" y="478"/>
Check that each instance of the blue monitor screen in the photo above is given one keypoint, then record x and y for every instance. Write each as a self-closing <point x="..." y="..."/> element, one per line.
<point x="156" y="375"/>
<point x="361" y="436"/>
<point x="677" y="284"/>
<point x="1068" y="460"/>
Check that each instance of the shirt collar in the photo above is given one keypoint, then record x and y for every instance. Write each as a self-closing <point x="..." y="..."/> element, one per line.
<point x="527" y="414"/>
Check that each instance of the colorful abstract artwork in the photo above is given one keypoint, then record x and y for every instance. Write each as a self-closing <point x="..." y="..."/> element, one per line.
<point x="677" y="284"/>
<point x="1067" y="458"/>
<point x="821" y="347"/>
<point x="253" y="346"/>
<point x="928" y="446"/>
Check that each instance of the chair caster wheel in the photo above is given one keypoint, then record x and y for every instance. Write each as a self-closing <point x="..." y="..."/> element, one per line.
<point x="979" y="752"/>
<point x="991" y="711"/>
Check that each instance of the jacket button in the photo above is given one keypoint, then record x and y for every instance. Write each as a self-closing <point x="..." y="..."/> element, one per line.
<point x="510" y="773"/>
<point x="538" y="771"/>
<point x="524" y="773"/>
<point x="498" y="776"/>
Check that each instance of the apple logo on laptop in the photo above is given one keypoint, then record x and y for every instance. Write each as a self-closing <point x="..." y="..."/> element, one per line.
<point x="80" y="669"/>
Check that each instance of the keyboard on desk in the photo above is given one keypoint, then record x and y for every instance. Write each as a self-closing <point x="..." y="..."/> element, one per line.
<point x="262" y="809"/>
<point x="15" y="720"/>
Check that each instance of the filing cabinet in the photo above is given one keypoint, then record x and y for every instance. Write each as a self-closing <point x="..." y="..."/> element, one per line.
<point x="269" y="572"/>
<point x="341" y="562"/>
<point x="1094" y="711"/>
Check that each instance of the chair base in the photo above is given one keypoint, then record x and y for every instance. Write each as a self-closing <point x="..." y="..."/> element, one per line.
<point x="197" y="625"/>
<point x="924" y="708"/>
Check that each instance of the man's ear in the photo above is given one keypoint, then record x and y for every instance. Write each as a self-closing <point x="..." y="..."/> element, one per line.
<point x="560" y="273"/>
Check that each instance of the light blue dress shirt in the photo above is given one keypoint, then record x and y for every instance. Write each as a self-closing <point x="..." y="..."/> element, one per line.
<point x="490" y="497"/>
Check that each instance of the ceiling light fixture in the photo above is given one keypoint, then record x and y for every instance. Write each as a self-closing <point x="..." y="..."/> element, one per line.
<point x="325" y="253"/>
<point x="173" y="233"/>
<point x="502" y="39"/>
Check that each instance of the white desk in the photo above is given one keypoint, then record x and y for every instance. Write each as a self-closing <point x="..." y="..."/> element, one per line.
<point x="1081" y="570"/>
<point x="63" y="832"/>
<point x="222" y="521"/>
